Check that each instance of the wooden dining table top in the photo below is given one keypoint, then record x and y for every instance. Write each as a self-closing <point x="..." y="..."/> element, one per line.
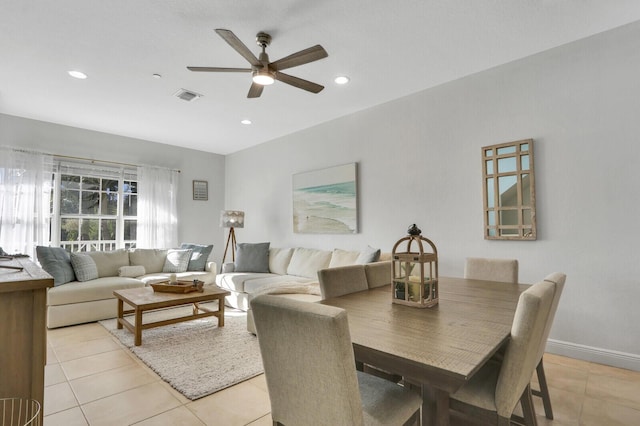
<point x="442" y="346"/>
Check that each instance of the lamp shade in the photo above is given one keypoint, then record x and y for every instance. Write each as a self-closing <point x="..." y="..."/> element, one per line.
<point x="231" y="219"/>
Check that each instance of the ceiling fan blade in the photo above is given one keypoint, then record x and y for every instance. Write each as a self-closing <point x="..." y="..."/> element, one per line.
<point x="239" y="46"/>
<point x="218" y="69"/>
<point x="299" y="83"/>
<point x="255" y="90"/>
<point x="299" y="58"/>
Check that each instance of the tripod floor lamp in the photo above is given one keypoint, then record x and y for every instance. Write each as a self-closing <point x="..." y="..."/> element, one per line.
<point x="231" y="219"/>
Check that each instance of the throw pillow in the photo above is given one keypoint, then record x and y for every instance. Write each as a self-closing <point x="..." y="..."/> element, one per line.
<point x="84" y="267"/>
<point x="368" y="255"/>
<point x="199" y="256"/>
<point x="252" y="257"/>
<point x="131" y="271"/>
<point x="343" y="258"/>
<point x="177" y="260"/>
<point x="56" y="261"/>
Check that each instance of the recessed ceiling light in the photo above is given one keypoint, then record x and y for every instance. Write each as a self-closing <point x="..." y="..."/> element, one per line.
<point x="157" y="76"/>
<point x="341" y="79"/>
<point x="246" y="121"/>
<point x="77" y="74"/>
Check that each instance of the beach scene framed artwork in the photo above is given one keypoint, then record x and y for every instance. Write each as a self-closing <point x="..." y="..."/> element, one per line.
<point x="325" y="201"/>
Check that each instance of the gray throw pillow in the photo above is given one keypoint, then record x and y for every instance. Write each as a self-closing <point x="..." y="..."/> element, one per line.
<point x="368" y="255"/>
<point x="56" y="261"/>
<point x="84" y="267"/>
<point x="199" y="256"/>
<point x="177" y="260"/>
<point x="252" y="257"/>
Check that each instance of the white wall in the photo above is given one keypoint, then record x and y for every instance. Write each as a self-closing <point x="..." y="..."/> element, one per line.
<point x="198" y="220"/>
<point x="419" y="161"/>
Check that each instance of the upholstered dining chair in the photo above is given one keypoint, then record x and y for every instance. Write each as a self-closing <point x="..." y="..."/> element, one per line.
<point x="480" y="268"/>
<point x="558" y="279"/>
<point x="493" y="392"/>
<point x="310" y="369"/>
<point x="335" y="282"/>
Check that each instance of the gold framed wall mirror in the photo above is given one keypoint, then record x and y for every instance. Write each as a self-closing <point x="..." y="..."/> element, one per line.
<point x="508" y="189"/>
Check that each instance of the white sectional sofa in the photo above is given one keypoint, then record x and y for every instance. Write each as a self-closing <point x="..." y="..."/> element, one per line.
<point x="84" y="282"/>
<point x="290" y="272"/>
<point x="284" y="268"/>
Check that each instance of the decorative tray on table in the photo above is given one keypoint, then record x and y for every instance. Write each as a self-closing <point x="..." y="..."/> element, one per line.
<point x="180" y="286"/>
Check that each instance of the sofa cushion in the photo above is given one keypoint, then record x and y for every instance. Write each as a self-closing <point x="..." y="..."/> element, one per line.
<point x="97" y="289"/>
<point x="343" y="258"/>
<point x="131" y="271"/>
<point x="252" y="257"/>
<point x="177" y="260"/>
<point x="279" y="259"/>
<point x="108" y="262"/>
<point x="84" y="267"/>
<point x="307" y="262"/>
<point x="235" y="281"/>
<point x="151" y="259"/>
<point x="368" y="255"/>
<point x="199" y="255"/>
<point x="56" y="261"/>
<point x="263" y="283"/>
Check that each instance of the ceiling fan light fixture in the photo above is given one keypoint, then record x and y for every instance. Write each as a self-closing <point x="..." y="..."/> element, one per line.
<point x="263" y="77"/>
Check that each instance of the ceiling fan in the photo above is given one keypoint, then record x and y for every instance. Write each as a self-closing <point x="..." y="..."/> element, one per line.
<point x="265" y="72"/>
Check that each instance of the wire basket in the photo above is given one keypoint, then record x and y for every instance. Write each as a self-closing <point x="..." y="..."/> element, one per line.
<point x="19" y="412"/>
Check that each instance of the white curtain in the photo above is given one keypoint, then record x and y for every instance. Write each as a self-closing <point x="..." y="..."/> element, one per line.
<point x="157" y="208"/>
<point x="25" y="193"/>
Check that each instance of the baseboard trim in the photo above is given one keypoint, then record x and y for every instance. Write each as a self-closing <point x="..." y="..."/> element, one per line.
<point x="592" y="354"/>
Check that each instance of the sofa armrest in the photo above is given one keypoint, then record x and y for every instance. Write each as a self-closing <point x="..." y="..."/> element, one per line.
<point x="228" y="267"/>
<point x="211" y="267"/>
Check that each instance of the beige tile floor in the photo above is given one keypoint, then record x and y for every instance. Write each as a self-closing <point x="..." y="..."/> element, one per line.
<point x="92" y="380"/>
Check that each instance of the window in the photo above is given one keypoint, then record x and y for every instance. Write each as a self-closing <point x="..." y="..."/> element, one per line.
<point x="509" y="191"/>
<point x="93" y="207"/>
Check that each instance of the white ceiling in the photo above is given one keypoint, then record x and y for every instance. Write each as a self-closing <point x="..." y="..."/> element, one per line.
<point x="389" y="49"/>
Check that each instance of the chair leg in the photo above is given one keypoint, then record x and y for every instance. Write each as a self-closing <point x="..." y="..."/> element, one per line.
<point x="528" y="411"/>
<point x="544" y="390"/>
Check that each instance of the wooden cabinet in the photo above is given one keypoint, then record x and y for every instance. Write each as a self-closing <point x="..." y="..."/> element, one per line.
<point x="23" y="333"/>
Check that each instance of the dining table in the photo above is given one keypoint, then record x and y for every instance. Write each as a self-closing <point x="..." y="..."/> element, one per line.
<point x="437" y="349"/>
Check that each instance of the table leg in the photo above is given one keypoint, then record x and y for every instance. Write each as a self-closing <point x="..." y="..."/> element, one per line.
<point x="435" y="406"/>
<point x="195" y="308"/>
<point x="221" y="311"/>
<point x="120" y="314"/>
<point x="138" y="327"/>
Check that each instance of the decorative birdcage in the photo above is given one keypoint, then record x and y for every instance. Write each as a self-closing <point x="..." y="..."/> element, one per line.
<point x="414" y="271"/>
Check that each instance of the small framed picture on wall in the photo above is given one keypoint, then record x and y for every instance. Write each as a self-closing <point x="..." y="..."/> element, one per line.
<point x="200" y="190"/>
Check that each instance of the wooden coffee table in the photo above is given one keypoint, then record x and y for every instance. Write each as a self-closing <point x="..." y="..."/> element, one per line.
<point x="145" y="299"/>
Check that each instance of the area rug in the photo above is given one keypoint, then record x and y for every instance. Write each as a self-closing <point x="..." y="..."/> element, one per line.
<point x="196" y="357"/>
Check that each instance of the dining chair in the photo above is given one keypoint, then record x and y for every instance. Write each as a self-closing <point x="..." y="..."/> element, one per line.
<point x="378" y="273"/>
<point x="341" y="280"/>
<point x="309" y="366"/>
<point x="338" y="281"/>
<point x="480" y="268"/>
<point x="558" y="279"/>
<point x="494" y="391"/>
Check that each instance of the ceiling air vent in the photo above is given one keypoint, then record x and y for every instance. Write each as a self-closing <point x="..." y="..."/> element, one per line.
<point x="187" y="95"/>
